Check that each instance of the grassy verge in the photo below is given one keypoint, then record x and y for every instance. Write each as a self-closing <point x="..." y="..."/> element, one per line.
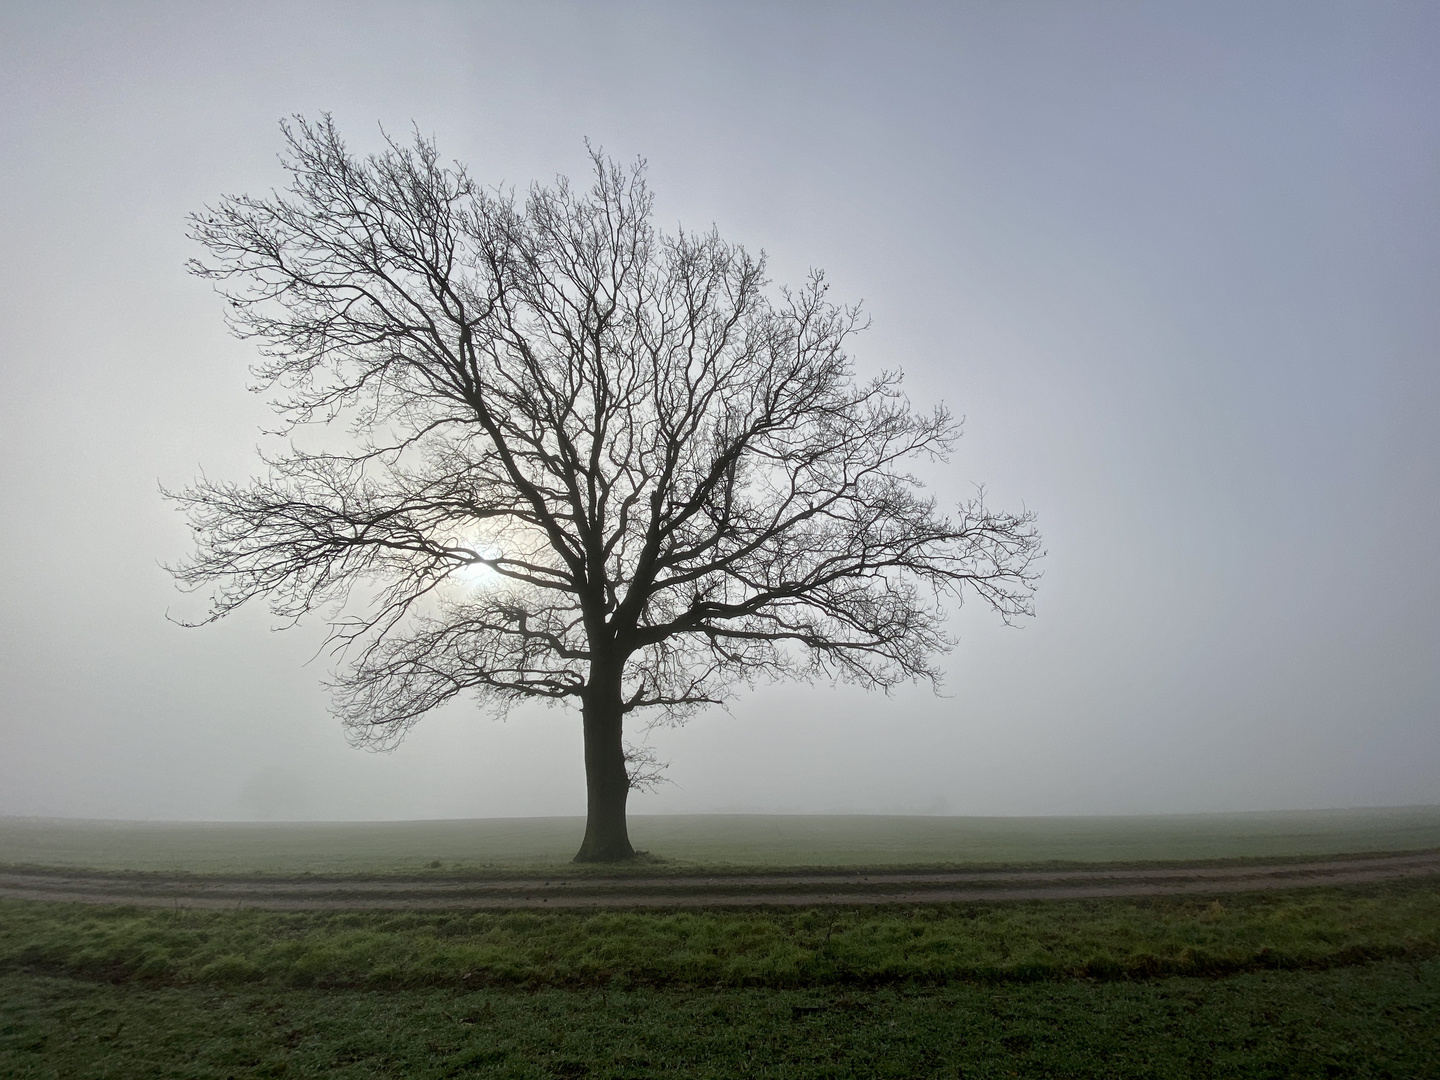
<point x="1005" y="942"/>
<point x="1373" y="1020"/>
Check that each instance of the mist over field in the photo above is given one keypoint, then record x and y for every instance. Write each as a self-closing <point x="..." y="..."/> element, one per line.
<point x="1176" y="265"/>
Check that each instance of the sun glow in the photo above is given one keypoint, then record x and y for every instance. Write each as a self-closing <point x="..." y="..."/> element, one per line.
<point x="474" y="572"/>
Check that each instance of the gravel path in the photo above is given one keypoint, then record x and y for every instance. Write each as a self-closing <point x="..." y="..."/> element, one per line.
<point x="788" y="889"/>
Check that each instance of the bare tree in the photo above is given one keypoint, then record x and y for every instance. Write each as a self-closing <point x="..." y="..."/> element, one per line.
<point x="575" y="458"/>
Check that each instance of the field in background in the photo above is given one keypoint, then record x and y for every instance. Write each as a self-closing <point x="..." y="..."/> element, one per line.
<point x="710" y="840"/>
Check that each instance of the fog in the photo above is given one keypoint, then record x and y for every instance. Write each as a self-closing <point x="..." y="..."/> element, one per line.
<point x="1176" y="264"/>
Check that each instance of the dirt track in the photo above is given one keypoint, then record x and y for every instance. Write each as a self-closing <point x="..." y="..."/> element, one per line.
<point x="789" y="889"/>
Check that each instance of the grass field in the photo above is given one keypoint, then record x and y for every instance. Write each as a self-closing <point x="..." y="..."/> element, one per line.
<point x="1377" y="1020"/>
<point x="1310" y="983"/>
<point x="1319" y="982"/>
<point x="867" y="946"/>
<point x="710" y="840"/>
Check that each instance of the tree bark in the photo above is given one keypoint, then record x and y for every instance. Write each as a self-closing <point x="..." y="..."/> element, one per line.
<point x="607" y="783"/>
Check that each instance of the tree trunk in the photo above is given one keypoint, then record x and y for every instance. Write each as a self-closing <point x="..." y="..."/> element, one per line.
<point x="607" y="784"/>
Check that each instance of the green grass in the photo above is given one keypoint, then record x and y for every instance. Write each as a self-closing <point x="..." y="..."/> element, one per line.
<point x="1035" y="940"/>
<point x="709" y="840"/>
<point x="1374" y="1020"/>
<point x="1304" y="983"/>
<point x="1325" y="982"/>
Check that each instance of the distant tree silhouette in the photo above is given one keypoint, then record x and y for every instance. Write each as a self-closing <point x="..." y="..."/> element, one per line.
<point x="571" y="458"/>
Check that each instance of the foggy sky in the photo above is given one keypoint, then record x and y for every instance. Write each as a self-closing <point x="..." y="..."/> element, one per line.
<point x="1178" y="265"/>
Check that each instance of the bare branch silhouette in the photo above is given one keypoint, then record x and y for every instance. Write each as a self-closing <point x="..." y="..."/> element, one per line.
<point x="586" y="460"/>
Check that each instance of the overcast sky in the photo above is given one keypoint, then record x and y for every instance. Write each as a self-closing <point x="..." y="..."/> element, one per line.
<point x="1178" y="265"/>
